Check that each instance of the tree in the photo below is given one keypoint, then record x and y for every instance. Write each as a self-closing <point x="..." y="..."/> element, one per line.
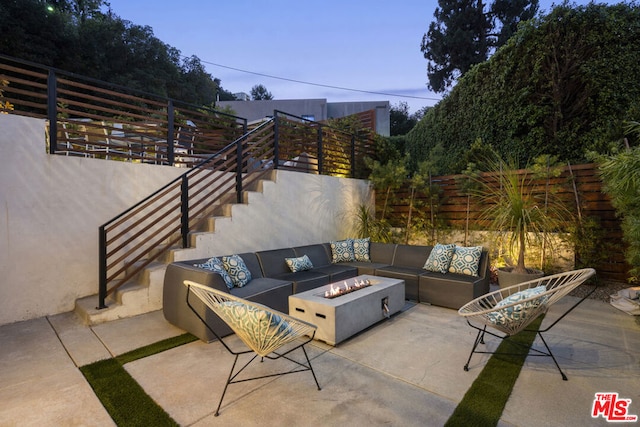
<point x="562" y="85"/>
<point x="464" y="34"/>
<point x="259" y="93"/>
<point x="76" y="36"/>
<point x="401" y="121"/>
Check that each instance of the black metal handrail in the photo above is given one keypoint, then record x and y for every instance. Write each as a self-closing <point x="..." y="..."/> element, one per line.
<point x="146" y="231"/>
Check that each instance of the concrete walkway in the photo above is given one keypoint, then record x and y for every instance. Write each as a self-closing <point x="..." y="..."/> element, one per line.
<point x="402" y="372"/>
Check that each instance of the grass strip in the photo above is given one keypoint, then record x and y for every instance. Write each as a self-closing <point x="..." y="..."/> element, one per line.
<point x="155" y="348"/>
<point x="124" y="399"/>
<point x="484" y="402"/>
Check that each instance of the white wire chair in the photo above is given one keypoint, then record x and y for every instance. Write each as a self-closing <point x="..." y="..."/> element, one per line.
<point x="511" y="310"/>
<point x="263" y="330"/>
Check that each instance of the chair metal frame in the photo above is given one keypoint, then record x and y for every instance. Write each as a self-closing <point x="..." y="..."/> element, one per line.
<point x="482" y="310"/>
<point x="298" y="331"/>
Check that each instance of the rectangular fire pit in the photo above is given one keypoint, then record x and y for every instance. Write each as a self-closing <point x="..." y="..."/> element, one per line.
<point x="340" y="317"/>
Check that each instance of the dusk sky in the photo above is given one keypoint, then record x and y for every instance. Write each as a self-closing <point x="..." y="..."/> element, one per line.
<point x="366" y="46"/>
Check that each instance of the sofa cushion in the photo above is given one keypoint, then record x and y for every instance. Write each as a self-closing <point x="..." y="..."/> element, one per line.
<point x="273" y="293"/>
<point x="440" y="258"/>
<point x="342" y="251"/>
<point x="466" y="260"/>
<point x="214" y="264"/>
<point x="382" y="253"/>
<point x="272" y="262"/>
<point x="361" y="249"/>
<point x="302" y="263"/>
<point x="237" y="269"/>
<point x="319" y="254"/>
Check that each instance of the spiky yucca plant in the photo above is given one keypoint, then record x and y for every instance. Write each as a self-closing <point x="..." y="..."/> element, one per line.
<point x="511" y="207"/>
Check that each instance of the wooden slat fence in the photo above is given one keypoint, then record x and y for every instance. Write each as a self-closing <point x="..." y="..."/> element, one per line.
<point x="586" y="199"/>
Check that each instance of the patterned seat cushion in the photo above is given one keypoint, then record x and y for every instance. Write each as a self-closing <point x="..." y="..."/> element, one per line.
<point x="466" y="260"/>
<point x="302" y="263"/>
<point x="439" y="258"/>
<point x="237" y="269"/>
<point x="254" y="322"/>
<point x="521" y="311"/>
<point x="214" y="264"/>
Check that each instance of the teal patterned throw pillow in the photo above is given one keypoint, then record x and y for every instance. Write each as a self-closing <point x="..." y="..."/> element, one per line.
<point x="237" y="269"/>
<point x="257" y="323"/>
<point x="214" y="264"/>
<point x="361" y="249"/>
<point x="519" y="311"/>
<point x="302" y="263"/>
<point x="342" y="251"/>
<point x="439" y="258"/>
<point x="466" y="260"/>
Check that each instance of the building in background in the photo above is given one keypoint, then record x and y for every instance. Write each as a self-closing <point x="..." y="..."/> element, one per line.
<point x="317" y="110"/>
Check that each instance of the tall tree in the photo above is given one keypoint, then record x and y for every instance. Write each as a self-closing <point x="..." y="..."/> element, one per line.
<point x="401" y="120"/>
<point x="260" y="92"/>
<point x="464" y="34"/>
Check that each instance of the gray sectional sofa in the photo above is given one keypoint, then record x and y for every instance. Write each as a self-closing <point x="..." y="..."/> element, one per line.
<point x="273" y="281"/>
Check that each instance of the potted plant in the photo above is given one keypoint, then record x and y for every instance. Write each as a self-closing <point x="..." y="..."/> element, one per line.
<point x="521" y="216"/>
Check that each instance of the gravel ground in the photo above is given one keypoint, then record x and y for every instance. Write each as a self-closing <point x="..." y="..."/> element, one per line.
<point x="602" y="292"/>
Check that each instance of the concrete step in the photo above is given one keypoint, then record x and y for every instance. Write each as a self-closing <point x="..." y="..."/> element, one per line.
<point x="131" y="299"/>
<point x="144" y="293"/>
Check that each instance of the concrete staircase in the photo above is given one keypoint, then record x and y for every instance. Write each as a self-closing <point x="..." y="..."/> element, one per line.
<point x="144" y="293"/>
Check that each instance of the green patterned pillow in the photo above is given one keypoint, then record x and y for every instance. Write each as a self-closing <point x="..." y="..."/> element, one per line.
<point x="254" y="321"/>
<point x="214" y="264"/>
<point x="361" y="249"/>
<point x="439" y="258"/>
<point x="302" y="263"/>
<point x="237" y="269"/>
<point x="342" y="251"/>
<point x="466" y="260"/>
<point x="518" y="311"/>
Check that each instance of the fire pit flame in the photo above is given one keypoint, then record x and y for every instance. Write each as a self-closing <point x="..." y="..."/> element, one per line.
<point x="338" y="290"/>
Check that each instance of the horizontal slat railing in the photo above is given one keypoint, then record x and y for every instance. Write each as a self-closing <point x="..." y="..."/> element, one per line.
<point x="145" y="232"/>
<point x="330" y="151"/>
<point x="92" y="118"/>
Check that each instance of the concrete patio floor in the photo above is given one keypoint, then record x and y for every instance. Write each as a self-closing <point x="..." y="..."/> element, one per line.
<point x="402" y="372"/>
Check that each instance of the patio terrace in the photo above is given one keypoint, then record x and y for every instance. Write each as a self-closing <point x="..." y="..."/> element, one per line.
<point x="403" y="371"/>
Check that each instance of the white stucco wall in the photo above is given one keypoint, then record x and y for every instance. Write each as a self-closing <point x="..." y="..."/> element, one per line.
<point x="52" y="206"/>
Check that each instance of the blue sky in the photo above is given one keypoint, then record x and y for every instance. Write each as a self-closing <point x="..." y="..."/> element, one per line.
<point x="369" y="45"/>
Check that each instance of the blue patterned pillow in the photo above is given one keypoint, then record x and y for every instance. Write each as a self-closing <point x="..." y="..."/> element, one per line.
<point x="466" y="260"/>
<point x="518" y="311"/>
<point x="439" y="258"/>
<point x="214" y="264"/>
<point x="361" y="249"/>
<point x="237" y="269"/>
<point x="342" y="251"/>
<point x="253" y="321"/>
<point x="302" y="263"/>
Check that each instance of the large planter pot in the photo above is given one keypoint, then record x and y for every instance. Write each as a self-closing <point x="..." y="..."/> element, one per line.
<point x="506" y="278"/>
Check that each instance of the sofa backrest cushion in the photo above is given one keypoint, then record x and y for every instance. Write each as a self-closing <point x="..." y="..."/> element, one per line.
<point x="318" y="254"/>
<point x="411" y="255"/>
<point x="382" y="253"/>
<point x="272" y="261"/>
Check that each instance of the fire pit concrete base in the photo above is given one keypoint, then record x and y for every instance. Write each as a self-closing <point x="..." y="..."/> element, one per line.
<point x="341" y="317"/>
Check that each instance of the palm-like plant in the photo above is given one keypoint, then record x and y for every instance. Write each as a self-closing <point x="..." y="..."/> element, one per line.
<point x="512" y="207"/>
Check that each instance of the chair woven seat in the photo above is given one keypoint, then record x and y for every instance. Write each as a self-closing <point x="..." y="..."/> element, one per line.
<point x="511" y="310"/>
<point x="263" y="330"/>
